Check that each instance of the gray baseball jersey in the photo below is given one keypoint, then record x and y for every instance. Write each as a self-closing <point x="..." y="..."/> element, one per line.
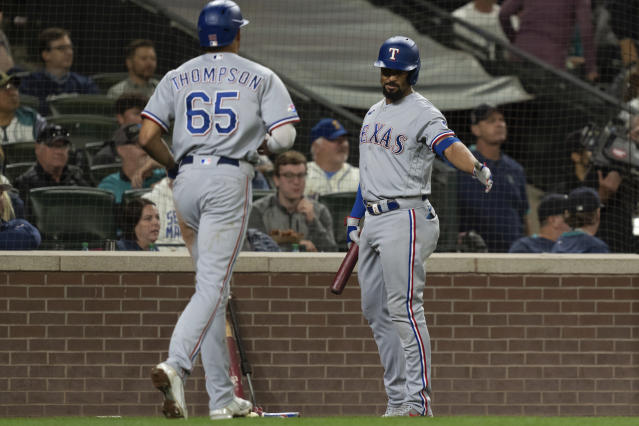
<point x="223" y="105"/>
<point x="397" y="146"/>
<point x="214" y="99"/>
<point x="399" y="139"/>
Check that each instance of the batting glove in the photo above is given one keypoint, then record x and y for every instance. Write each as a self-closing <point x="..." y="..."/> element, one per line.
<point x="482" y="173"/>
<point x="352" y="231"/>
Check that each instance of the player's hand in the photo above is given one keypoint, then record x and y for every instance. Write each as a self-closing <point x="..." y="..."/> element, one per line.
<point x="263" y="149"/>
<point x="305" y="206"/>
<point x="352" y="231"/>
<point x="482" y="173"/>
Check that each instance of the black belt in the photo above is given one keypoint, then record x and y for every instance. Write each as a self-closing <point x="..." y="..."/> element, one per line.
<point x="223" y="160"/>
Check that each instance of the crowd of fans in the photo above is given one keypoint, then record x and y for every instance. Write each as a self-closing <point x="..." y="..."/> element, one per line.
<point x="590" y="210"/>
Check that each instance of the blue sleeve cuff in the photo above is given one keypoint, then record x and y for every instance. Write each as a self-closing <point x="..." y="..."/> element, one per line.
<point x="441" y="146"/>
<point x="358" y="207"/>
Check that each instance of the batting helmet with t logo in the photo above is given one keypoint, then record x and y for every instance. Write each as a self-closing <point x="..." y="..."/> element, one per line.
<point x="400" y="53"/>
<point x="219" y="22"/>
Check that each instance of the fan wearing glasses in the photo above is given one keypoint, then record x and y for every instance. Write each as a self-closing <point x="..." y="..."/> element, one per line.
<point x="56" y="51"/>
<point x="288" y="215"/>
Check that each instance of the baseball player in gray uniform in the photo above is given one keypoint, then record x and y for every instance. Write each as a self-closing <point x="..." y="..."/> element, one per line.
<point x="398" y="141"/>
<point x="225" y="109"/>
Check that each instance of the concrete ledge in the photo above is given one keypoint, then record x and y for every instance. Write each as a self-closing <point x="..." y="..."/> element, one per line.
<point x="613" y="264"/>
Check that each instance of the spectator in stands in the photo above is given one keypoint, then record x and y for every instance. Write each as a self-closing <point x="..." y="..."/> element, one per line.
<point x="56" y="51"/>
<point x="170" y="237"/>
<point x="128" y="107"/>
<point x="136" y="171"/>
<point x="6" y="60"/>
<point x="51" y="168"/>
<point x="141" y="226"/>
<point x="141" y="62"/>
<point x="15" y="234"/>
<point x="546" y="29"/>
<point x="16" y="202"/>
<point x="623" y="22"/>
<point x="499" y="216"/>
<point x="18" y="123"/>
<point x="551" y="213"/>
<point x="483" y="14"/>
<point x="289" y="213"/>
<point x="329" y="172"/>
<point x="583" y="216"/>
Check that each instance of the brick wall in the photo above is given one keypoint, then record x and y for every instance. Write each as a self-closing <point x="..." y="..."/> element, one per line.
<point x="82" y="343"/>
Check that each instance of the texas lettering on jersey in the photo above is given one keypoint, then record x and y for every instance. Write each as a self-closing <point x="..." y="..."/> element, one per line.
<point x="382" y="136"/>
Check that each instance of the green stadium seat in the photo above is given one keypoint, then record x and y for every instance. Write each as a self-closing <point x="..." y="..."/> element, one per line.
<point x="82" y="104"/>
<point x="29" y="101"/>
<point x="86" y="128"/>
<point x="101" y="171"/>
<point x="108" y="79"/>
<point x="93" y="148"/>
<point x="19" y="152"/>
<point x="130" y="194"/>
<point x="259" y="193"/>
<point x="67" y="216"/>
<point x="13" y="170"/>
<point x="340" y="205"/>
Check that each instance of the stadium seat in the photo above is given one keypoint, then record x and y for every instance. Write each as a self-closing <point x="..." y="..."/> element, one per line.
<point x="259" y="193"/>
<point x="13" y="170"/>
<point x="82" y="104"/>
<point x="108" y="79"/>
<point x="130" y="194"/>
<point x="29" y="101"/>
<point x="67" y="216"/>
<point x="444" y="199"/>
<point x="93" y="148"/>
<point x="19" y="152"/>
<point x="86" y="128"/>
<point x="101" y="171"/>
<point x="340" y="205"/>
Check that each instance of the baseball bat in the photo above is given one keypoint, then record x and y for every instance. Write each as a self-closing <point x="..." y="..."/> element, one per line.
<point x="345" y="269"/>
<point x="234" y="368"/>
<point x="244" y="362"/>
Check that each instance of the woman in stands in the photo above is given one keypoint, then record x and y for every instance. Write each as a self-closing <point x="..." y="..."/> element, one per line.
<point x="141" y="226"/>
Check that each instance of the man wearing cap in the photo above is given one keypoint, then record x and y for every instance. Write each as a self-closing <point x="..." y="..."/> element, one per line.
<point x="137" y="171"/>
<point x="584" y="213"/>
<point x="15" y="234"/>
<point x="51" y="168"/>
<point x="499" y="216"/>
<point x="329" y="172"/>
<point x="550" y="212"/>
<point x="17" y="123"/>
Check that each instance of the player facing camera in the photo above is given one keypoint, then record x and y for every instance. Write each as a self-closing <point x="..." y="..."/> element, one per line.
<point x="613" y="146"/>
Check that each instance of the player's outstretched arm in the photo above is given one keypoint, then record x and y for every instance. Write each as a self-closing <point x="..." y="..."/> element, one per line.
<point x="460" y="157"/>
<point x="150" y="140"/>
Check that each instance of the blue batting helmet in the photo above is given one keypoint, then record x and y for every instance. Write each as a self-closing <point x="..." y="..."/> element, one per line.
<point x="400" y="53"/>
<point x="219" y="22"/>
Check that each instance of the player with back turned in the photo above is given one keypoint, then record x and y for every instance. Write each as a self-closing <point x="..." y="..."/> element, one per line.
<point x="398" y="141"/>
<point x="225" y="108"/>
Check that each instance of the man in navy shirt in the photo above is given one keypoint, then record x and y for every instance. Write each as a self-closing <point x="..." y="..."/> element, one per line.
<point x="15" y="234"/>
<point x="551" y="213"/>
<point x="56" y="78"/>
<point x="500" y="215"/>
<point x="584" y="215"/>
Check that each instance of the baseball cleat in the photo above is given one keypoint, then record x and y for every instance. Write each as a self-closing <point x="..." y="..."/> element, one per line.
<point x="238" y="407"/>
<point x="167" y="381"/>
<point x="394" y="411"/>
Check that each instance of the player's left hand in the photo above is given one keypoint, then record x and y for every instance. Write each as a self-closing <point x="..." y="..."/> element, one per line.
<point x="482" y="173"/>
<point x="306" y="207"/>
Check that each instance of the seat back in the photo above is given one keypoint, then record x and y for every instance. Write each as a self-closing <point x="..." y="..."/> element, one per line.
<point x="104" y="81"/>
<point x="100" y="171"/>
<point x="130" y="194"/>
<point x="444" y="199"/>
<point x="86" y="128"/>
<point x="340" y="205"/>
<point x="74" y="103"/>
<point x="260" y="193"/>
<point x="19" y="152"/>
<point x="13" y="170"/>
<point x="67" y="216"/>
<point x="29" y="101"/>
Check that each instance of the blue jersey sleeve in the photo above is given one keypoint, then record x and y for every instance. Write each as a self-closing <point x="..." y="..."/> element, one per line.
<point x="358" y="207"/>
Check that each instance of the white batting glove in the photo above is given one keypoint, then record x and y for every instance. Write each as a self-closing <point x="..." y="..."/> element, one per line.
<point x="352" y="231"/>
<point x="482" y="173"/>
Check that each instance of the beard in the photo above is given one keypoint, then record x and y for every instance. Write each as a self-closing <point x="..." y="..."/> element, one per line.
<point x="392" y="96"/>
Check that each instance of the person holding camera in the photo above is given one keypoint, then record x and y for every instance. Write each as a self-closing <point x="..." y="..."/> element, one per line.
<point x="615" y="186"/>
